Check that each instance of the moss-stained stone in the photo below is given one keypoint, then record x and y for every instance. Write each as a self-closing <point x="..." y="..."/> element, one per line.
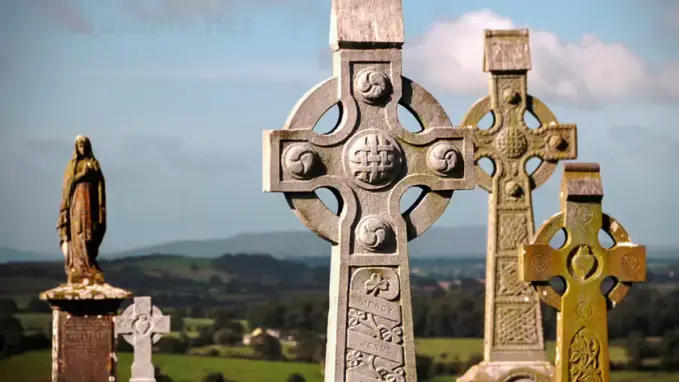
<point x="83" y="291"/>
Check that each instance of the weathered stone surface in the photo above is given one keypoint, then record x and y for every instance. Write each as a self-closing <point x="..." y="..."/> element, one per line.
<point x="582" y="327"/>
<point x="142" y="325"/>
<point x="82" y="214"/>
<point x="83" y="345"/>
<point x="513" y="332"/>
<point x="370" y="161"/>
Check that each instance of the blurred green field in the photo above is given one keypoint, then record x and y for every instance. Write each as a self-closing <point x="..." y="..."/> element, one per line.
<point x="35" y="367"/>
<point x="465" y="347"/>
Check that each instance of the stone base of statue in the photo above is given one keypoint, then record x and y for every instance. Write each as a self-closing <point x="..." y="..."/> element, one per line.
<point x="83" y="342"/>
<point x="530" y="371"/>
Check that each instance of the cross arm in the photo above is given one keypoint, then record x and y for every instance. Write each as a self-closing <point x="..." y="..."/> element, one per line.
<point x="440" y="158"/>
<point x="554" y="141"/>
<point x="296" y="160"/>
<point x="627" y="262"/>
<point x="122" y="325"/>
<point x="539" y="263"/>
<point x="161" y="324"/>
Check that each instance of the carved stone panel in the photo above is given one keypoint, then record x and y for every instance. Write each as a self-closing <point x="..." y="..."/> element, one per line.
<point x="85" y="347"/>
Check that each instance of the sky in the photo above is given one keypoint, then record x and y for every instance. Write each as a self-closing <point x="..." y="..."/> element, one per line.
<point x="175" y="93"/>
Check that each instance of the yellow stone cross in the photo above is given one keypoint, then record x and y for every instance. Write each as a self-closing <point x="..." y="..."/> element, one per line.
<point x="582" y="329"/>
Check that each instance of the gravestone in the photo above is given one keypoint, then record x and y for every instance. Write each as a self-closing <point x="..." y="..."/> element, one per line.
<point x="582" y="327"/>
<point x="514" y="346"/>
<point x="142" y="325"/>
<point x="83" y="343"/>
<point x="369" y="161"/>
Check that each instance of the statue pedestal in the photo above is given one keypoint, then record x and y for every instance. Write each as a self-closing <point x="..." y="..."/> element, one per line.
<point x="83" y="342"/>
<point x="529" y="371"/>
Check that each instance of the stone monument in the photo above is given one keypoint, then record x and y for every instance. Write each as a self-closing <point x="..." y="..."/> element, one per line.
<point x="369" y="161"/>
<point x="514" y="346"/>
<point x="83" y="343"/>
<point x="582" y="327"/>
<point x="142" y="325"/>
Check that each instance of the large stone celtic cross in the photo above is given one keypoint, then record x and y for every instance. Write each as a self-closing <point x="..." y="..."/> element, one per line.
<point x="369" y="161"/>
<point x="142" y="325"/>
<point x="582" y="325"/>
<point x="514" y="345"/>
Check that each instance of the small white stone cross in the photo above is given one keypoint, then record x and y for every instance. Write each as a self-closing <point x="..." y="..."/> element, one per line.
<point x="142" y="325"/>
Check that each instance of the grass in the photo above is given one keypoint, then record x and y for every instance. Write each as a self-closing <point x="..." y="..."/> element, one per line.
<point x="35" y="321"/>
<point x="465" y="347"/>
<point x="35" y="367"/>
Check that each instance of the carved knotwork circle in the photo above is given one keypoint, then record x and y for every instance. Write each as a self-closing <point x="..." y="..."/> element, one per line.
<point x="300" y="161"/>
<point x="550" y="228"/>
<point x="512" y="143"/>
<point x="371" y="85"/>
<point x="442" y="158"/>
<point x="474" y="117"/>
<point x="373" y="160"/>
<point x="373" y="233"/>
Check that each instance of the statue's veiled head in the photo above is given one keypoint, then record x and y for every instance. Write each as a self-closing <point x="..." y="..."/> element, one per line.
<point x="83" y="147"/>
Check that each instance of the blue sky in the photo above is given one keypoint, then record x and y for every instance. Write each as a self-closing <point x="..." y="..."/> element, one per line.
<point x="174" y="95"/>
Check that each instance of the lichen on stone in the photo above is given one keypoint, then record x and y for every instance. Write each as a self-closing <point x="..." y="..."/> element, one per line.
<point x="83" y="291"/>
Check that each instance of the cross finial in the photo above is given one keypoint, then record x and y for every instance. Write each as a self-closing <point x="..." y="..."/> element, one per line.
<point x="366" y="24"/>
<point x="506" y="50"/>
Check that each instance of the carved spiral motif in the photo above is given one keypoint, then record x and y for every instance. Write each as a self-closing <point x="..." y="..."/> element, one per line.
<point x="372" y="159"/>
<point x="373" y="233"/>
<point x="512" y="143"/>
<point x="300" y="161"/>
<point x="442" y="158"/>
<point x="371" y="85"/>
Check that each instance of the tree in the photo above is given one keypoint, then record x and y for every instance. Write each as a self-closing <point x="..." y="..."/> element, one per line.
<point x="636" y="349"/>
<point x="8" y="307"/>
<point x="296" y="377"/>
<point x="36" y="305"/>
<point x="307" y="347"/>
<point x="214" y="377"/>
<point x="669" y="350"/>
<point x="267" y="347"/>
<point x="227" y="337"/>
<point x="194" y="267"/>
<point x="177" y="320"/>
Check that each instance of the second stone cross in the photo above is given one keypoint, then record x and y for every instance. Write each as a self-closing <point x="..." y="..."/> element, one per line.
<point x="514" y="347"/>
<point x="370" y="161"/>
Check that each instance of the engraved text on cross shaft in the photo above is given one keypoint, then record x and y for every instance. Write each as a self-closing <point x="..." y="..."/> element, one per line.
<point x="142" y="325"/>
<point x="582" y="330"/>
<point x="369" y="161"/>
<point x="513" y="318"/>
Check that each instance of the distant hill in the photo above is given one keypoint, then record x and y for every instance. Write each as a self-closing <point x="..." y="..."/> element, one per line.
<point x="436" y="242"/>
<point x="14" y="255"/>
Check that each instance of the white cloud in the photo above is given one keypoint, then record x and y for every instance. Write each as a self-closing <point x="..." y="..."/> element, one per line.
<point x="450" y="54"/>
